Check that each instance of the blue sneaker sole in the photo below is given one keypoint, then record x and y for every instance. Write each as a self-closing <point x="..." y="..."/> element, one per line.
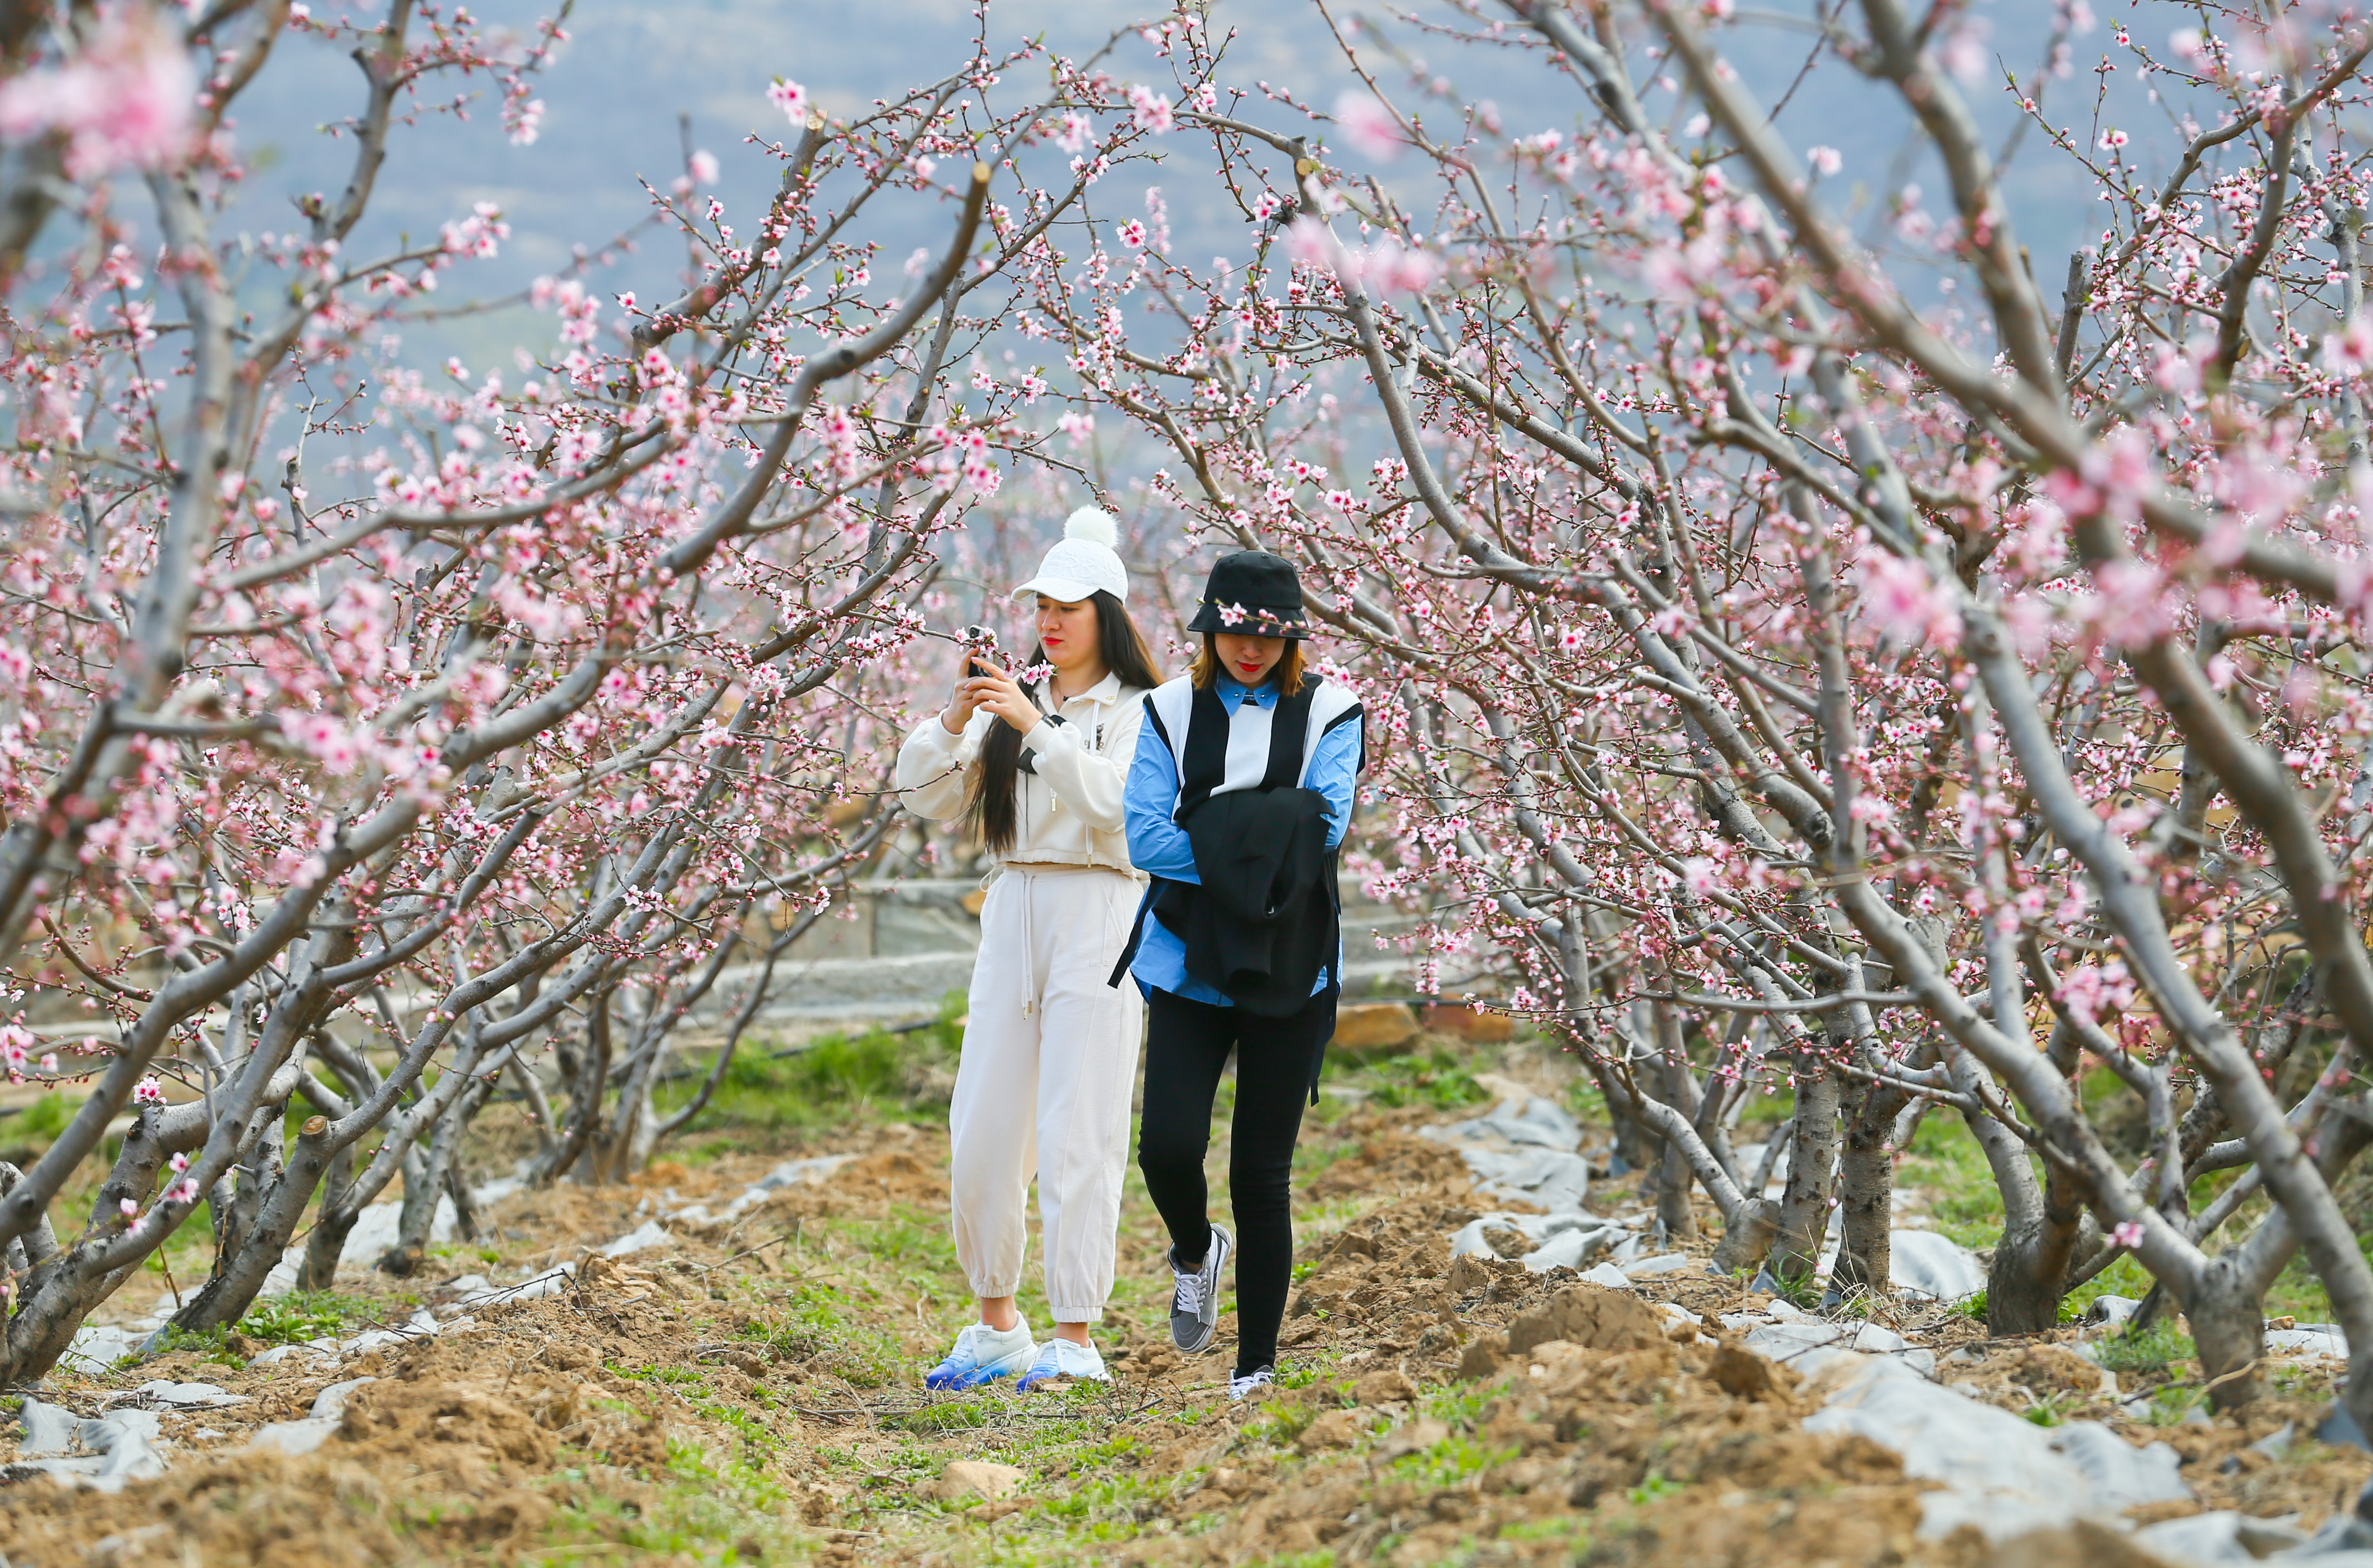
<point x="944" y="1382"/>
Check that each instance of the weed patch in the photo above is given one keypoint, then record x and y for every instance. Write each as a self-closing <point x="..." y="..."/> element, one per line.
<point x="1437" y="1079"/>
<point x="301" y="1316"/>
<point x="2155" y="1349"/>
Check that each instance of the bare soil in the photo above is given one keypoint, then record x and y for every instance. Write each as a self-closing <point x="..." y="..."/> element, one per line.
<point x="751" y="1393"/>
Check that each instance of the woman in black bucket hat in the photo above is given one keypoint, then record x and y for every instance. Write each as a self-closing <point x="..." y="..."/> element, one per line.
<point x="1236" y="802"/>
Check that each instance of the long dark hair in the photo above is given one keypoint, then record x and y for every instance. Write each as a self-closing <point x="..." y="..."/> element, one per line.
<point x="990" y="788"/>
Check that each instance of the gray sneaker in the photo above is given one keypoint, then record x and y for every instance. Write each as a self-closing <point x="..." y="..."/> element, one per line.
<point x="1195" y="1304"/>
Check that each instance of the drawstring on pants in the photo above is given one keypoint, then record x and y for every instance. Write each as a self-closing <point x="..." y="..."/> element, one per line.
<point x="1030" y="997"/>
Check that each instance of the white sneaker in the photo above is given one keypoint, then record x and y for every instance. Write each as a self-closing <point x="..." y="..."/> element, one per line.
<point x="1060" y="1357"/>
<point x="983" y="1354"/>
<point x="1259" y="1377"/>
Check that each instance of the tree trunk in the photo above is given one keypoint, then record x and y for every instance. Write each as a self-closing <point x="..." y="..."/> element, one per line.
<point x="2030" y="1273"/>
<point x="413" y="1220"/>
<point x="1866" y="1193"/>
<point x="2229" y="1331"/>
<point x="1674" y="1215"/>
<point x="239" y="1276"/>
<point x="423" y="1189"/>
<point x="327" y="1243"/>
<point x="1804" y="1217"/>
<point x="2227" y="1310"/>
<point x="1747" y="1236"/>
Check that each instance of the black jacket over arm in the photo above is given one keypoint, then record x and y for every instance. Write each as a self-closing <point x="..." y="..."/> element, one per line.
<point x="1264" y="921"/>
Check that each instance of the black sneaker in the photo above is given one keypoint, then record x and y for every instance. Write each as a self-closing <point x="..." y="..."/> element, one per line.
<point x="1195" y="1304"/>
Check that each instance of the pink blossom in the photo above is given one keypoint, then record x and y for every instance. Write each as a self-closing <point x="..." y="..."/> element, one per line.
<point x="1905" y="603"/>
<point x="1132" y="234"/>
<point x="2088" y="990"/>
<point x="125" y="100"/>
<point x="148" y="1092"/>
<point x="523" y="117"/>
<point x="1149" y="110"/>
<point x="1076" y="129"/>
<point x="325" y="738"/>
<point x="1963" y="50"/>
<point x="1368" y="126"/>
<point x="2126" y="1233"/>
<point x="2350" y="350"/>
<point x="1388" y="267"/>
<point x="1826" y="162"/>
<point x="791" y="98"/>
<point x="1309" y="241"/>
<point x="702" y="167"/>
<point x="2131" y="609"/>
<point x="1077" y="425"/>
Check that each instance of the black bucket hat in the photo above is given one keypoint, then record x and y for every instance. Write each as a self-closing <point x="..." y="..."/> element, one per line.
<point x="1256" y="593"/>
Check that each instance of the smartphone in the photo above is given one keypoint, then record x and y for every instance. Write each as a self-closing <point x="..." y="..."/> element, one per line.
<point x="981" y="640"/>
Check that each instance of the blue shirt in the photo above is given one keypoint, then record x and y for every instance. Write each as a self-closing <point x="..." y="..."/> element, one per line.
<point x="1158" y="846"/>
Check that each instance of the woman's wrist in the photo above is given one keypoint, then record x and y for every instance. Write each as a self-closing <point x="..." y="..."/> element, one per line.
<point x="952" y="725"/>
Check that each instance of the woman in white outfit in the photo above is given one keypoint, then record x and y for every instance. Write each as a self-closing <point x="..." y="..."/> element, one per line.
<point x="1049" y="1056"/>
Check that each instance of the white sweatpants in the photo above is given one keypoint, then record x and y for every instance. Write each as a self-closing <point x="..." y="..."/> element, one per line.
<point x="1042" y="1087"/>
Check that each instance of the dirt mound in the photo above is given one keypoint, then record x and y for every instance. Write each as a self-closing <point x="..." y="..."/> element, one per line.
<point x="2080" y="1545"/>
<point x="1392" y="1161"/>
<point x="1590" y="1315"/>
<point x="1854" y="1525"/>
<point x="2048" y="1369"/>
<point x="415" y="1469"/>
<point x="445" y="1427"/>
<point x="269" y="1512"/>
<point x="2264" y="1461"/>
<point x="1574" y="1443"/>
<point x="753" y="1387"/>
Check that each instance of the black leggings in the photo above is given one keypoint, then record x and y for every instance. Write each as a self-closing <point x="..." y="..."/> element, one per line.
<point x="1186" y="1044"/>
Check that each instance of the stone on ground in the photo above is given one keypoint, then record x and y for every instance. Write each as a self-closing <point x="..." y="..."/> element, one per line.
<point x="1466" y="1023"/>
<point x="977" y="1478"/>
<point x="1373" y="1026"/>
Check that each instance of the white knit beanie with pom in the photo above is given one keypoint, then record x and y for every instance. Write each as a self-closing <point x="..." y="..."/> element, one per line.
<point x="1083" y="561"/>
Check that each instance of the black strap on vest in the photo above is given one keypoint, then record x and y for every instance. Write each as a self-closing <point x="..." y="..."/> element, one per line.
<point x="1203" y="760"/>
<point x="1203" y="767"/>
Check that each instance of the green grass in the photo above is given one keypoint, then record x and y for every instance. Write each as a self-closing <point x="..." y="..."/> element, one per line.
<point x="701" y="1512"/>
<point x="208" y="1344"/>
<point x="957" y="1415"/>
<point x="1654" y="1489"/>
<point x="1449" y="1464"/>
<point x="306" y="1315"/>
<point x="41" y="1121"/>
<point x="2157" y="1348"/>
<point x="1436" y="1079"/>
<point x="810" y="1320"/>
<point x="1945" y="1157"/>
<point x="821" y="1082"/>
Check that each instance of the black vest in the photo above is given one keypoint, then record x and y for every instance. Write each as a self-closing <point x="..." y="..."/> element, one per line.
<point x="1266" y="919"/>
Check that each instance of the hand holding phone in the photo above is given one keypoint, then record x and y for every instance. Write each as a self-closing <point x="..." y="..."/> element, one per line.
<point x="979" y="643"/>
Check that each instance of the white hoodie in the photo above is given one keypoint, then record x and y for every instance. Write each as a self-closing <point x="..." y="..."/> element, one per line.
<point x="1067" y="808"/>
